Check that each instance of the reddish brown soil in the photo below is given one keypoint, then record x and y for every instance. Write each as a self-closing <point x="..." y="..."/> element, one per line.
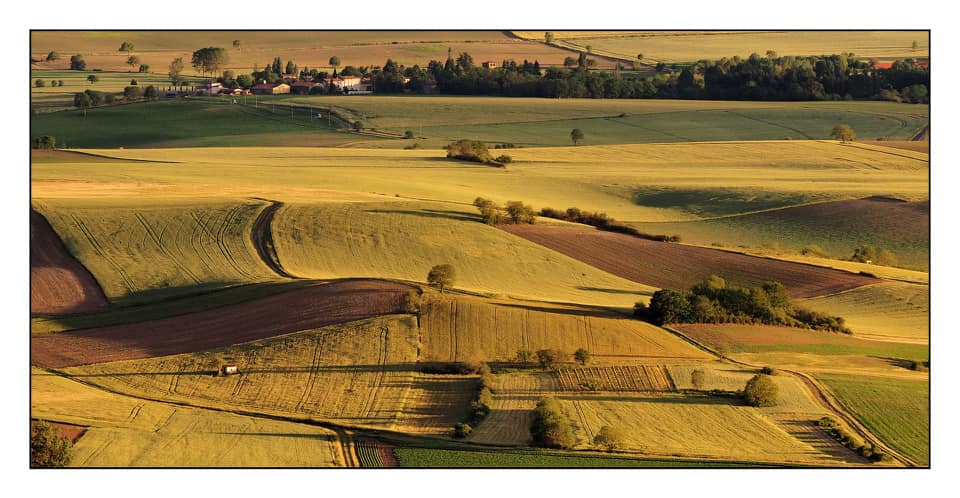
<point x="59" y="284"/>
<point x="679" y="267"/>
<point x="300" y="309"/>
<point x="70" y="431"/>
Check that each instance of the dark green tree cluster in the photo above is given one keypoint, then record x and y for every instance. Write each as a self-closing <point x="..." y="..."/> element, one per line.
<point x="481" y="405"/>
<point x="209" y="59"/>
<point x="515" y="212"/>
<point x="832" y="77"/>
<point x="77" y="63"/>
<point x="548" y="358"/>
<point x="475" y="151"/>
<point x="550" y="427"/>
<point x="48" y="142"/>
<point x="48" y="448"/>
<point x="713" y="301"/>
<point x="866" y="253"/>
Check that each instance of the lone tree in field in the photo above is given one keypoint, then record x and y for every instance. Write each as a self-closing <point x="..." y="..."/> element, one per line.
<point x="582" y="356"/>
<point x="93" y="78"/>
<point x="133" y="61"/>
<point x="52" y="56"/>
<point x="843" y="133"/>
<point x="442" y="276"/>
<point x="761" y="391"/>
<point x="174" y="70"/>
<point x="548" y="37"/>
<point x="335" y="62"/>
<point x="609" y="438"/>
<point x="236" y="44"/>
<point x="550" y="427"/>
<point x="77" y="63"/>
<point x="576" y="135"/>
<point x="126" y="47"/>
<point x="548" y="358"/>
<point x="48" y="448"/>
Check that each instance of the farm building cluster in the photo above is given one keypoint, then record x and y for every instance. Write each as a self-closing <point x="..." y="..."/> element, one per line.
<point x="290" y="83"/>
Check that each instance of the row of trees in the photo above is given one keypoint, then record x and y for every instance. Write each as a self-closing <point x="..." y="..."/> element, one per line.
<point x="515" y="212"/>
<point x="475" y="151"/>
<point x="712" y="301"/>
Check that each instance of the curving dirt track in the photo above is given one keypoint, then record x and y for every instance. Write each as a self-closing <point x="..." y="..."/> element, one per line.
<point x="59" y="284"/>
<point x="284" y="313"/>
<point x="676" y="266"/>
<point x="262" y="237"/>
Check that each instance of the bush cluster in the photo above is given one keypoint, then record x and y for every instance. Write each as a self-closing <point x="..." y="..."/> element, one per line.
<point x="836" y="431"/>
<point x="603" y="222"/>
<point x="515" y="212"/>
<point x="472" y="150"/>
<point x="712" y="301"/>
<point x="480" y="406"/>
<point x="550" y="428"/>
<point x="761" y="390"/>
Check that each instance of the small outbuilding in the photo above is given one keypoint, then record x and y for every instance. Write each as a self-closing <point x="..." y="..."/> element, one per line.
<point x="230" y="369"/>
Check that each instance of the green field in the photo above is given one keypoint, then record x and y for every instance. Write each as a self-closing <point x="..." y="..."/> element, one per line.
<point x="897" y="410"/>
<point x="56" y="98"/>
<point x="513" y="458"/>
<point x="438" y="120"/>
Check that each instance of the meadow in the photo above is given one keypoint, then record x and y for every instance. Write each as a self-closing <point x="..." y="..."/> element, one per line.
<point x="898" y="410"/>
<point x="690" y="46"/>
<point x="125" y="431"/>
<point x="439" y="120"/>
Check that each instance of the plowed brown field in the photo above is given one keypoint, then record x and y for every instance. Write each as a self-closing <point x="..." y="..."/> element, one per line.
<point x="59" y="284"/>
<point x="676" y="266"/>
<point x="301" y="309"/>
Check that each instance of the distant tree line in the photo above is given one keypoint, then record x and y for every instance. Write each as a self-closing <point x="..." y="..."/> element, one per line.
<point x="713" y="301"/>
<point x="830" y="77"/>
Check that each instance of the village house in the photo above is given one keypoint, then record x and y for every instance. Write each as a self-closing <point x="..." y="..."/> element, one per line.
<point x="351" y="84"/>
<point x="211" y="88"/>
<point x="303" y="87"/>
<point x="265" y="88"/>
<point x="489" y="65"/>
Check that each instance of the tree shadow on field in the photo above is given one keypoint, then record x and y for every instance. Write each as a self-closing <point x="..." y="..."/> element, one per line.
<point x="600" y="313"/>
<point x="895" y="362"/>
<point x="615" y="291"/>
<point x="321" y="437"/>
<point x="430" y="213"/>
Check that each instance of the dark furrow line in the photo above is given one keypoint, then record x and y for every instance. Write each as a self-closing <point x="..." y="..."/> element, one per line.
<point x="262" y="238"/>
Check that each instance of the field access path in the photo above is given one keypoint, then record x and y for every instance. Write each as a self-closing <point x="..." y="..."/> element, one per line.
<point x="823" y="396"/>
<point x="262" y="238"/>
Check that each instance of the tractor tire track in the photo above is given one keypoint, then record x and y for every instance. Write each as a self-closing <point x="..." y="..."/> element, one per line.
<point x="262" y="238"/>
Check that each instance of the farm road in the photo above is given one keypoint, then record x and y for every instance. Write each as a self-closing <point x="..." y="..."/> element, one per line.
<point x="262" y="238"/>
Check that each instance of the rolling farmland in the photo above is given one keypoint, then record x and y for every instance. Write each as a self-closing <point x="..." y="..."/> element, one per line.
<point x="58" y="283"/>
<point x="894" y="310"/>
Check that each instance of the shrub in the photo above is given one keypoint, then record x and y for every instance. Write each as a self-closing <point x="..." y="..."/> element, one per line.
<point x="760" y="391"/>
<point x="469" y="150"/>
<point x="358" y="125"/>
<point x="410" y="302"/>
<point x="548" y="358"/>
<point x="769" y="371"/>
<point x="920" y="366"/>
<point x="462" y="430"/>
<point x="814" y="250"/>
<point x="550" y="428"/>
<point x="582" y="356"/>
<point x="697" y="378"/>
<point x="609" y="438"/>
<point x="40" y="83"/>
<point x="408" y="134"/>
<point x="134" y="82"/>
<point x="520" y="212"/>
<point x="504" y="159"/>
<point x="413" y="146"/>
<point x="524" y="356"/>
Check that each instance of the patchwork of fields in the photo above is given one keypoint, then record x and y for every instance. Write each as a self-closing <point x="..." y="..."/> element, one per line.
<point x="184" y="236"/>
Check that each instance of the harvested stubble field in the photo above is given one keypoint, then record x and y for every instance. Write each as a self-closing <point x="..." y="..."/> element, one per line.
<point x="767" y="338"/>
<point x="793" y="396"/>
<point x="635" y="378"/>
<point x="404" y="240"/>
<point x="688" y="46"/>
<point x="356" y="374"/>
<point x="535" y="458"/>
<point x="618" y="180"/>
<point x="515" y="397"/>
<point x="305" y="48"/>
<point x="130" y="432"/>
<point x="470" y="329"/>
<point x="895" y="311"/>
<point x="292" y="311"/>
<point x="897" y="410"/>
<point x="676" y="266"/>
<point x="59" y="284"/>
<point x="837" y="227"/>
<point x="140" y="250"/>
